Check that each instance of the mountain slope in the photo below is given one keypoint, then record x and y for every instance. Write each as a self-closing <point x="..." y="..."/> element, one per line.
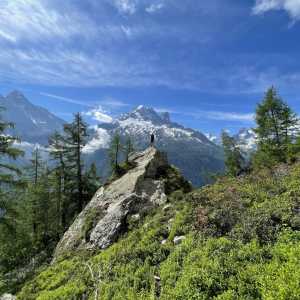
<point x="33" y="123"/>
<point x="188" y="149"/>
<point x="236" y="239"/>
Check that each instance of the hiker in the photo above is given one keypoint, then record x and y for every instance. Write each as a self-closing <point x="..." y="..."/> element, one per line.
<point x="152" y="140"/>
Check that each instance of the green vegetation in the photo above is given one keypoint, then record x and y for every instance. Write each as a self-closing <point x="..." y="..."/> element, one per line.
<point x="234" y="160"/>
<point x="242" y="242"/>
<point x="275" y="130"/>
<point x="38" y="205"/>
<point x="238" y="238"/>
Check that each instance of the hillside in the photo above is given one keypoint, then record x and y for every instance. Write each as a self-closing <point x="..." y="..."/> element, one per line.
<point x="236" y="239"/>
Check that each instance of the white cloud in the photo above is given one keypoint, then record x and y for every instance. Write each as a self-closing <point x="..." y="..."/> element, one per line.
<point x="225" y="116"/>
<point x="98" y="114"/>
<point x="101" y="140"/>
<point x="154" y="8"/>
<point x="126" y="6"/>
<point x="292" y="7"/>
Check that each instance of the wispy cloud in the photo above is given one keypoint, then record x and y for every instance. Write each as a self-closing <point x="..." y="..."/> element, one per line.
<point x="228" y="116"/>
<point x="66" y="99"/>
<point x="210" y="114"/>
<point x="153" y="8"/>
<point x="126" y="6"/>
<point x="115" y="44"/>
<point x="292" y="7"/>
<point x="36" y="20"/>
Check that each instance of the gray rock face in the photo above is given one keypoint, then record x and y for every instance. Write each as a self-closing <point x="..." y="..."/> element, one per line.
<point x="104" y="218"/>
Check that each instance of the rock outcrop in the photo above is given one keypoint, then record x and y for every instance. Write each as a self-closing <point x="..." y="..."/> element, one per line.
<point x="104" y="219"/>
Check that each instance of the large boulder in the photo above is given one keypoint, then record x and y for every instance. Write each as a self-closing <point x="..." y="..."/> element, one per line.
<point x="143" y="187"/>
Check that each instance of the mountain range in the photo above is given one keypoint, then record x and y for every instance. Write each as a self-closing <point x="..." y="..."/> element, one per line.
<point x="189" y="150"/>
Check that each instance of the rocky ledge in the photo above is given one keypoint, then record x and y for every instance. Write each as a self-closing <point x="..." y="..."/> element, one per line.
<point x="104" y="219"/>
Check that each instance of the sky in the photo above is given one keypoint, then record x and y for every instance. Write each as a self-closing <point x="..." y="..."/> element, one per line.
<point x="207" y="62"/>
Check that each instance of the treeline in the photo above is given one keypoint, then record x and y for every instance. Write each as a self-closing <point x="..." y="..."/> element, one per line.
<point x="277" y="138"/>
<point x="38" y="204"/>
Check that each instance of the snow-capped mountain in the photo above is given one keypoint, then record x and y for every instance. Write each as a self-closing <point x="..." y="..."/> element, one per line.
<point x="33" y="124"/>
<point x="191" y="151"/>
<point x="213" y="138"/>
<point x="246" y="140"/>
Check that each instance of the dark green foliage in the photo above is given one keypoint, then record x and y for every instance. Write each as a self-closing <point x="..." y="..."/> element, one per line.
<point x="275" y="130"/>
<point x="234" y="159"/>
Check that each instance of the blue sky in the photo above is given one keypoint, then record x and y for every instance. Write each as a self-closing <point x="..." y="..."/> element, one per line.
<point x="208" y="62"/>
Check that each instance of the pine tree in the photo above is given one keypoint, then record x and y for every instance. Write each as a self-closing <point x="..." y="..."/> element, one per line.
<point x="275" y="125"/>
<point x="9" y="173"/>
<point x="8" y="152"/>
<point x="59" y="176"/>
<point x="35" y="171"/>
<point x="128" y="148"/>
<point x="234" y="159"/>
<point x="36" y="167"/>
<point x="114" y="153"/>
<point x="75" y="135"/>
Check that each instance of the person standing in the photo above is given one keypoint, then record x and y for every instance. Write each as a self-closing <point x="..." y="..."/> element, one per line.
<point x="152" y="138"/>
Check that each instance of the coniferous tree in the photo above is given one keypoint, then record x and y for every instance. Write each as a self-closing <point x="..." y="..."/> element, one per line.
<point x="37" y="166"/>
<point x="275" y="129"/>
<point x="59" y="175"/>
<point x="234" y="159"/>
<point x="128" y="148"/>
<point x="114" y="153"/>
<point x="8" y="172"/>
<point x="75" y="135"/>
<point x="35" y="171"/>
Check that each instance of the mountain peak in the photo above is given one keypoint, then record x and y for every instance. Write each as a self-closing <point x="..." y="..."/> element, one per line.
<point x="15" y="93"/>
<point x="17" y="97"/>
<point x="33" y="123"/>
<point x="149" y="114"/>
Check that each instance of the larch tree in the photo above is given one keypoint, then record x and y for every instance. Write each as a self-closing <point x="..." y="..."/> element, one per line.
<point x="276" y="123"/>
